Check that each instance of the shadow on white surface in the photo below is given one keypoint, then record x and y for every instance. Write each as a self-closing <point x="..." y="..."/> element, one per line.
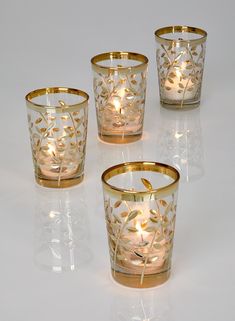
<point x="180" y="142"/>
<point x="61" y="229"/>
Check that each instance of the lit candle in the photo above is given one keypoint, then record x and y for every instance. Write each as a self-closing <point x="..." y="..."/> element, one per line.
<point x="122" y="115"/>
<point x="147" y="244"/>
<point x="53" y="164"/>
<point x="119" y="87"/>
<point x="140" y="223"/>
<point x="178" y="86"/>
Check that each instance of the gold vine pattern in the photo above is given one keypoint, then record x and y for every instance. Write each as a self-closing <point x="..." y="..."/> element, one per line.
<point x="128" y="92"/>
<point x="58" y="141"/>
<point x="180" y="67"/>
<point x="124" y="220"/>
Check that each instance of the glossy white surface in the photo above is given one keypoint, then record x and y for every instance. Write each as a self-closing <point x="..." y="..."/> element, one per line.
<point x="50" y="43"/>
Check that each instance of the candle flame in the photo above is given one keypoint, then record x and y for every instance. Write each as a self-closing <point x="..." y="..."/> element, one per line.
<point x="138" y="227"/>
<point x="180" y="69"/>
<point x="117" y="100"/>
<point x="117" y="104"/>
<point x="51" y="149"/>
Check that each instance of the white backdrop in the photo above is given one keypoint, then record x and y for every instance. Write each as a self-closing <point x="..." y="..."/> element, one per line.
<point x="50" y="43"/>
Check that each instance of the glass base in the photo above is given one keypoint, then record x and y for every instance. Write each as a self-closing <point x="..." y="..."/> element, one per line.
<point x="116" y="139"/>
<point x="62" y="184"/>
<point x="179" y="106"/>
<point x="133" y="280"/>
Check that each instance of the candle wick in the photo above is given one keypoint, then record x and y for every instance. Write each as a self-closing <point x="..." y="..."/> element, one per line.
<point x="142" y="239"/>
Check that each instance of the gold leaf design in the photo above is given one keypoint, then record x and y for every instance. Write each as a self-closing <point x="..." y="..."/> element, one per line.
<point x="150" y="229"/>
<point x="172" y="74"/>
<point x="134" y="82"/>
<point x="154" y="220"/>
<point x="153" y="212"/>
<point x="38" y="120"/>
<point x="117" y="204"/>
<point x="147" y="184"/>
<point x="64" y="117"/>
<point x="132" y="229"/>
<point x="56" y="129"/>
<point x="163" y="202"/>
<point x="68" y="129"/>
<point x="133" y="215"/>
<point x="124" y="214"/>
<point x="181" y="85"/>
<point x="157" y="246"/>
<point x="168" y="88"/>
<point x="171" y="80"/>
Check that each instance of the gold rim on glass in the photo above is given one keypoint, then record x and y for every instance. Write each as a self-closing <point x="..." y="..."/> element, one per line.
<point x="135" y="196"/>
<point x="55" y="90"/>
<point x="95" y="61"/>
<point x="159" y="35"/>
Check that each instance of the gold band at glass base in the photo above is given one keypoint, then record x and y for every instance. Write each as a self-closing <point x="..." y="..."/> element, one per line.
<point x="114" y="139"/>
<point x="133" y="280"/>
<point x="69" y="182"/>
<point x="173" y="106"/>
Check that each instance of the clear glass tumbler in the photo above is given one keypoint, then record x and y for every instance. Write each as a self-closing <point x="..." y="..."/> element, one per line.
<point x="180" y="62"/>
<point x="140" y="201"/>
<point x="57" y="119"/>
<point x="119" y="89"/>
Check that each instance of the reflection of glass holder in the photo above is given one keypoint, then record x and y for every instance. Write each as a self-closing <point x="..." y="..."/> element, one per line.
<point x="180" y="142"/>
<point x="140" y="306"/>
<point x="60" y="230"/>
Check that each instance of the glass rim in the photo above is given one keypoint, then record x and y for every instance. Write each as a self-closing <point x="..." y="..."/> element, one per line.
<point x="119" y="55"/>
<point x="172" y="29"/>
<point x="130" y="195"/>
<point x="55" y="90"/>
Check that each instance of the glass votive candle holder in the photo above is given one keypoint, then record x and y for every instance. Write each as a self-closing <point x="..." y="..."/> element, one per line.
<point x="140" y="201"/>
<point x="180" y="62"/>
<point x="57" y="119"/>
<point x="119" y="90"/>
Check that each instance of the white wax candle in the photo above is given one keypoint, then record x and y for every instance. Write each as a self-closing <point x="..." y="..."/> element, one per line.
<point x="179" y="87"/>
<point x="50" y="167"/>
<point x="121" y="114"/>
<point x="142" y="241"/>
